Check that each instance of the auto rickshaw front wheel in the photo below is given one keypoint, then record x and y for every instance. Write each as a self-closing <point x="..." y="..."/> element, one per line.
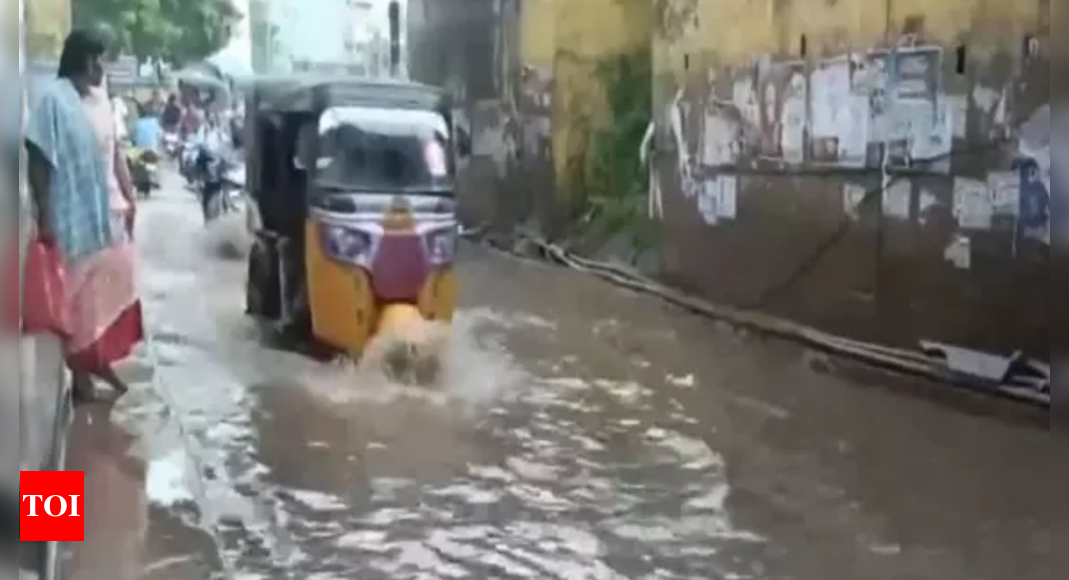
<point x="407" y="348"/>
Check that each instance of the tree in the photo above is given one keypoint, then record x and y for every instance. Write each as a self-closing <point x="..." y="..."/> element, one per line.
<point x="176" y="31"/>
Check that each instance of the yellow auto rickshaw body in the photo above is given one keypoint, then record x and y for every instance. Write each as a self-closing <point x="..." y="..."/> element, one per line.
<point x="352" y="209"/>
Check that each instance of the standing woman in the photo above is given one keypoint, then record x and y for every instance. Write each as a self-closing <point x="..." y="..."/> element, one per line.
<point x="85" y="205"/>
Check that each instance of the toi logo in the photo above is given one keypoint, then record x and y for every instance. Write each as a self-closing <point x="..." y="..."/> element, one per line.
<point x="53" y="506"/>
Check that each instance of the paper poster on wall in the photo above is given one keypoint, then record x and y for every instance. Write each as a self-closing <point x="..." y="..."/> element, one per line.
<point x="959" y="253"/>
<point x="906" y="104"/>
<point x="1005" y="187"/>
<point x="717" y="201"/>
<point x="853" y="197"/>
<point x="782" y="117"/>
<point x="898" y="200"/>
<point x="839" y="122"/>
<point x="973" y="208"/>
<point x="1035" y="212"/>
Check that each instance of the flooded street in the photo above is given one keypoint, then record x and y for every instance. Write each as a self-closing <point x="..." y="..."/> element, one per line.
<point x="582" y="433"/>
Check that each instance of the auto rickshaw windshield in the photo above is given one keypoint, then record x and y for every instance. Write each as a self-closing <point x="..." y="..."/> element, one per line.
<point x="364" y="149"/>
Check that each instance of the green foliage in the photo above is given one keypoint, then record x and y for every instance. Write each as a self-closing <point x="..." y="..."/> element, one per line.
<point x="177" y="31"/>
<point x="612" y="183"/>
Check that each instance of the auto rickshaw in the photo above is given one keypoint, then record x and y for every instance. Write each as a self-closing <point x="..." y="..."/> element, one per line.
<point x="351" y="207"/>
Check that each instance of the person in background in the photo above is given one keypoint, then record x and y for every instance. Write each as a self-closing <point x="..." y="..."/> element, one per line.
<point x="121" y="117"/>
<point x="85" y="205"/>
<point x="148" y="133"/>
<point x="172" y="115"/>
<point x="210" y="136"/>
<point x="192" y="121"/>
<point x="157" y="102"/>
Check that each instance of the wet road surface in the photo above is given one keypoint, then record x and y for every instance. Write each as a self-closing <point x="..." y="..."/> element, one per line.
<point x="583" y="433"/>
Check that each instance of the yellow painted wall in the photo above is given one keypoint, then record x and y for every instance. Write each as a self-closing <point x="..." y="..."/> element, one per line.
<point x="584" y="34"/>
<point x="538" y="32"/>
<point x="48" y="22"/>
<point x="735" y="31"/>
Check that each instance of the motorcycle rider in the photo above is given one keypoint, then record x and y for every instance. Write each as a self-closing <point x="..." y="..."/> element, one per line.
<point x="147" y="141"/>
<point x="148" y="133"/>
<point x="172" y="115"/>
<point x="210" y="143"/>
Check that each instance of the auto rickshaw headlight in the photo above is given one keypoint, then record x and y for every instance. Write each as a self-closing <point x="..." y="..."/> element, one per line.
<point x="344" y="243"/>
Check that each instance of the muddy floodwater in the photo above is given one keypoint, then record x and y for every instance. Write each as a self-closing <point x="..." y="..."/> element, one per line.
<point x="579" y="432"/>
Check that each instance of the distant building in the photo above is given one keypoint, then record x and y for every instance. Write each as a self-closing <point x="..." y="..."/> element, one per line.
<point x="307" y="32"/>
<point x="325" y="35"/>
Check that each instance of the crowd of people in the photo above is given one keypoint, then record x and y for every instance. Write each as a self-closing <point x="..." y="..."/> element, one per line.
<point x="183" y="117"/>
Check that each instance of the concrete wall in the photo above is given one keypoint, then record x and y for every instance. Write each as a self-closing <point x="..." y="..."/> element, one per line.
<point x="588" y="34"/>
<point x="876" y="168"/>
<point x="504" y="61"/>
<point x="859" y="164"/>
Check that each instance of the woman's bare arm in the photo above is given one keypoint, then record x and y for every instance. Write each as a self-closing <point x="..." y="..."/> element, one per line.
<point x="40" y="174"/>
<point x="122" y="174"/>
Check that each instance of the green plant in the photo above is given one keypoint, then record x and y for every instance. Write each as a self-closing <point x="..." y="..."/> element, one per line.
<point x="177" y="31"/>
<point x="609" y="181"/>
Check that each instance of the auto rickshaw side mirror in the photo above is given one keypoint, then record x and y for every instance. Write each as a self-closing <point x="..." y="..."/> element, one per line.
<point x="306" y="138"/>
<point x="463" y="143"/>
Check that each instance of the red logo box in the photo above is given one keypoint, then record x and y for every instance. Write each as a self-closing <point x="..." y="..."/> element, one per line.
<point x="53" y="506"/>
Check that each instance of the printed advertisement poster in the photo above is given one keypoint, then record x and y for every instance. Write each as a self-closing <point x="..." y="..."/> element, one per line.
<point x="908" y="111"/>
<point x="1038" y="171"/>
<point x="783" y="111"/>
<point x="1035" y="211"/>
<point x="840" y="119"/>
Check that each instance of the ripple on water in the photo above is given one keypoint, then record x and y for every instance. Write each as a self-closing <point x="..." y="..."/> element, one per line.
<point x="563" y="499"/>
<point x="549" y="477"/>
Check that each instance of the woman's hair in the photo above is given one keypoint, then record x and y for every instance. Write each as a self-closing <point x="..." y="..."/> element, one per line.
<point x="80" y="47"/>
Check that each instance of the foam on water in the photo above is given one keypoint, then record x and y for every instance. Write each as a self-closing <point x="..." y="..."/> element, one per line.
<point x="473" y="372"/>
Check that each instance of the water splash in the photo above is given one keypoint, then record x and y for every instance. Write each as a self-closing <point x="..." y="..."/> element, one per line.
<point x="471" y="371"/>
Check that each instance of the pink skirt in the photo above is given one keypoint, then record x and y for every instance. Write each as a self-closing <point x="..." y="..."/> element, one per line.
<point x="104" y="311"/>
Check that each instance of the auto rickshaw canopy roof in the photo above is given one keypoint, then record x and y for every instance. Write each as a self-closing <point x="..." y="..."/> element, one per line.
<point x="313" y="94"/>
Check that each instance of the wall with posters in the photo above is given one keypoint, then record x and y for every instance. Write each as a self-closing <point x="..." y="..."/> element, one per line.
<point x="878" y="169"/>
